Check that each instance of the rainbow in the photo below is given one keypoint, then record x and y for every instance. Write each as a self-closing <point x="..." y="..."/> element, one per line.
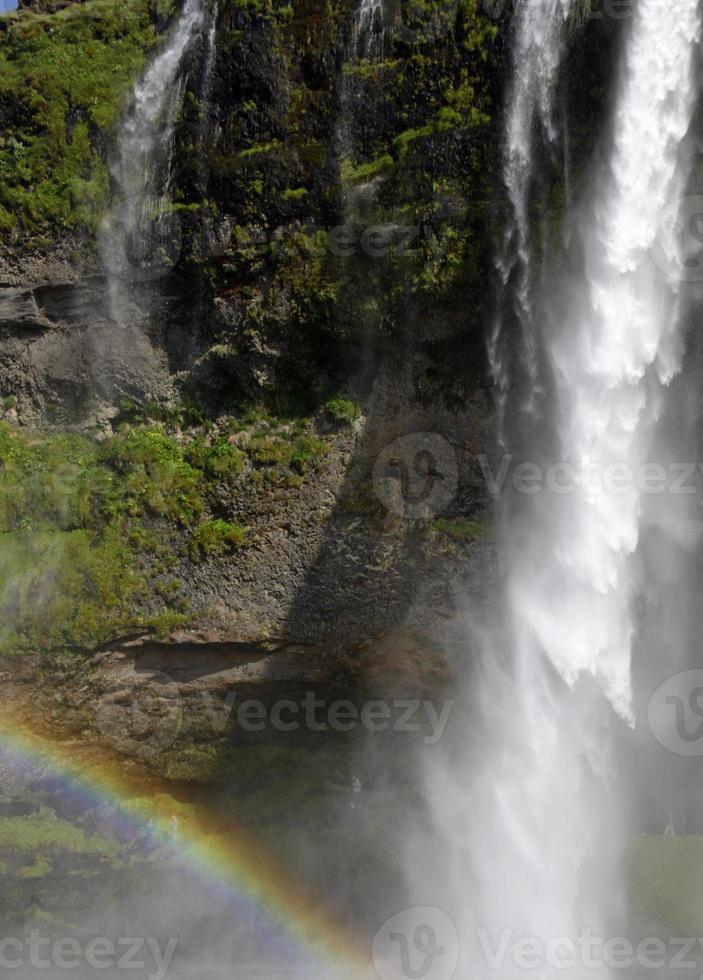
<point x="233" y="863"/>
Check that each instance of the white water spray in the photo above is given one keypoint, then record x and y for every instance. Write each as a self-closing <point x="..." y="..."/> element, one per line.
<point x="537" y="53"/>
<point x="368" y="31"/>
<point x="534" y="825"/>
<point x="365" y="45"/>
<point x="139" y="237"/>
<point x="618" y="348"/>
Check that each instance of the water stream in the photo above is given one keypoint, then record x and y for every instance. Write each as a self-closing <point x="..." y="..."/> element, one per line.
<point x="140" y="236"/>
<point x="534" y="811"/>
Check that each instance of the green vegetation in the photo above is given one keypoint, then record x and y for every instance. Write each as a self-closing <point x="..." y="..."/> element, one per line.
<point x="446" y="118"/>
<point x="216" y="538"/>
<point x="288" y="460"/>
<point x="366" y="171"/>
<point x="46" y="833"/>
<point x="155" y="477"/>
<point x="63" y="80"/>
<point x="294" y="193"/>
<point x="665" y="882"/>
<point x="370" y="70"/>
<point x="219" y="459"/>
<point x="254" y="151"/>
<point x="91" y="533"/>
<point x="342" y="410"/>
<point x="464" y="529"/>
<point x="39" y="868"/>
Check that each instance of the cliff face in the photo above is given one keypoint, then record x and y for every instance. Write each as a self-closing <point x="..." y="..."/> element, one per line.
<point x="333" y="210"/>
<point x="285" y="436"/>
<point x="337" y="189"/>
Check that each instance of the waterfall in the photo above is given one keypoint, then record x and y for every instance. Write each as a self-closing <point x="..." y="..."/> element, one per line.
<point x="617" y="349"/>
<point x="368" y="30"/>
<point x="140" y="237"/>
<point x="210" y="56"/>
<point x="539" y="29"/>
<point x="534" y="818"/>
<point x="365" y="44"/>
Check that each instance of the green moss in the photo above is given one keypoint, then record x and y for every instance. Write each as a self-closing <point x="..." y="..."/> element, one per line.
<point x="260" y="148"/>
<point x="342" y="410"/>
<point x="447" y="259"/>
<point x="447" y="117"/>
<point x="166" y="622"/>
<point x="90" y="533"/>
<point x="39" y="868"/>
<point x="63" y="81"/>
<point x="464" y="529"/>
<point x="87" y="531"/>
<point x="46" y="833"/>
<point x="218" y="459"/>
<point x="155" y="476"/>
<point x="370" y="70"/>
<point x="194" y="763"/>
<point x="252" y="6"/>
<point x="298" y="454"/>
<point x="366" y="171"/>
<point x="402" y="142"/>
<point x="65" y="587"/>
<point x="294" y="193"/>
<point x="216" y="538"/>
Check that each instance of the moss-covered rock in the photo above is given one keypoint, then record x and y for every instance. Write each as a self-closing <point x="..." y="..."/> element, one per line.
<point x="96" y="538"/>
<point x="65" y="71"/>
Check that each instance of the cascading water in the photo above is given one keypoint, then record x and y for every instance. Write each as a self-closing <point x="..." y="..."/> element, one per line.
<point x="365" y="44"/>
<point x="139" y="237"/>
<point x="537" y="51"/>
<point x="533" y="819"/>
<point x="618" y="348"/>
<point x="369" y="29"/>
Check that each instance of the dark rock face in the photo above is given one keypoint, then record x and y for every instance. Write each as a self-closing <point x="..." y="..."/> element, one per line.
<point x="64" y="360"/>
<point x="335" y="217"/>
<point x="20" y="313"/>
<point x="284" y="281"/>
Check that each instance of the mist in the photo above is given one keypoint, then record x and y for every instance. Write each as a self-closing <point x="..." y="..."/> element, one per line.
<point x="350" y="425"/>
